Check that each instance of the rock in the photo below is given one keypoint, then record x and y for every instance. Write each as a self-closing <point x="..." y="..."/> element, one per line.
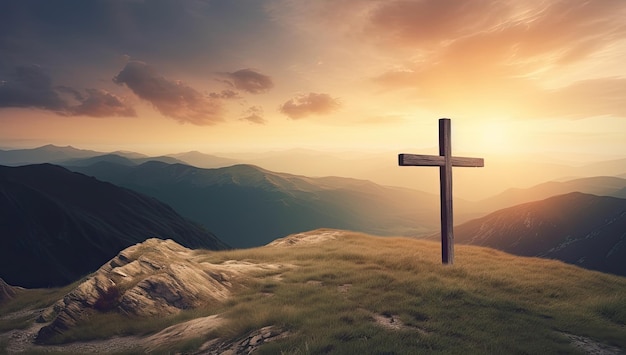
<point x="153" y="278"/>
<point x="246" y="345"/>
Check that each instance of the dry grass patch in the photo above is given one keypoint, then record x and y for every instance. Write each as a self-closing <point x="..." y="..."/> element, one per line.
<point x="332" y="296"/>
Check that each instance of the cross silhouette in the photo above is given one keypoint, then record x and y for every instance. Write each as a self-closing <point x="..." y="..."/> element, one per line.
<point x="445" y="161"/>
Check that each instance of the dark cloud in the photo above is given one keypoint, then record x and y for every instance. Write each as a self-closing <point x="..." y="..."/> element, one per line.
<point x="66" y="29"/>
<point x="31" y="87"/>
<point x="101" y="103"/>
<point x="225" y="94"/>
<point x="309" y="104"/>
<point x="172" y="98"/>
<point x="254" y="114"/>
<point x="250" y="81"/>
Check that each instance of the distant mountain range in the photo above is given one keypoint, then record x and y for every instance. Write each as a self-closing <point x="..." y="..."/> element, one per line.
<point x="598" y="185"/>
<point x="80" y="157"/>
<point x="57" y="226"/>
<point x="499" y="173"/>
<point x="249" y="206"/>
<point x="45" y="154"/>
<point x="577" y="228"/>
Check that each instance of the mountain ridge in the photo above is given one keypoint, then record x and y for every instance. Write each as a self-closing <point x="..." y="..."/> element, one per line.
<point x="596" y="185"/>
<point x="243" y="200"/>
<point x="577" y="228"/>
<point x="58" y="225"/>
<point x="500" y="173"/>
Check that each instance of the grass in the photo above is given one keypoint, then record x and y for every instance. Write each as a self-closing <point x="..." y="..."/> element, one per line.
<point x="26" y="300"/>
<point x="111" y="324"/>
<point x="488" y="302"/>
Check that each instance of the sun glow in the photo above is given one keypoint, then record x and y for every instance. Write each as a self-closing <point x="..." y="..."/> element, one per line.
<point x="488" y="136"/>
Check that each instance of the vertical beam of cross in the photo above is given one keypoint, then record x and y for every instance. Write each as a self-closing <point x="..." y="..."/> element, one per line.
<point x="445" y="188"/>
<point x="445" y="161"/>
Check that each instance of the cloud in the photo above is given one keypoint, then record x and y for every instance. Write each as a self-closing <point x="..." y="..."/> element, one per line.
<point x="172" y="98"/>
<point x="309" y="104"/>
<point x="225" y="94"/>
<point x="493" y="56"/>
<point x="31" y="87"/>
<point x="582" y="99"/>
<point x="250" y="81"/>
<point x="254" y="114"/>
<point x="558" y="28"/>
<point x="101" y="103"/>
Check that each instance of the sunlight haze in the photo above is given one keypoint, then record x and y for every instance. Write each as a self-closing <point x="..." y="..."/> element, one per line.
<point x="526" y="79"/>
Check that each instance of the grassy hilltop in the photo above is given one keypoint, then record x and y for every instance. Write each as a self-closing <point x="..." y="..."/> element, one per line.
<point x="346" y="293"/>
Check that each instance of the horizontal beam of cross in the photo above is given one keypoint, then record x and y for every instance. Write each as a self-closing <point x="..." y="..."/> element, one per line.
<point x="438" y="160"/>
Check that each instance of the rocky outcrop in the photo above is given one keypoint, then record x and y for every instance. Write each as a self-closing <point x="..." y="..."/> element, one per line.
<point x="246" y="345"/>
<point x="156" y="277"/>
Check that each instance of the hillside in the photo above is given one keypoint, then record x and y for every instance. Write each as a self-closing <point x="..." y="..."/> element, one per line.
<point x="57" y="226"/>
<point x="597" y="185"/>
<point x="249" y="206"/>
<point x="80" y="157"/>
<point x="580" y="229"/>
<point x="45" y="154"/>
<point x="321" y="292"/>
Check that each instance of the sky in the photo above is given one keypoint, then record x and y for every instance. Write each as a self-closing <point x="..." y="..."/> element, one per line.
<point x="167" y="76"/>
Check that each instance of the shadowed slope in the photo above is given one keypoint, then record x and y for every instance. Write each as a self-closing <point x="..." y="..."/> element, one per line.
<point x="249" y="206"/>
<point x="57" y="226"/>
<point x="45" y="154"/>
<point x="597" y="185"/>
<point x="580" y="229"/>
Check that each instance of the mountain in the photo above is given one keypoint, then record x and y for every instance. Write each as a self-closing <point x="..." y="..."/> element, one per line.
<point x="580" y="229"/>
<point x="249" y="206"/>
<point x="597" y="185"/>
<point x="6" y="291"/>
<point x="111" y="158"/>
<point x="75" y="157"/>
<point x="500" y="172"/>
<point x="119" y="159"/>
<point x="45" y="154"/>
<point x="621" y="193"/>
<point x="202" y="160"/>
<point x="57" y="226"/>
<point x="321" y="292"/>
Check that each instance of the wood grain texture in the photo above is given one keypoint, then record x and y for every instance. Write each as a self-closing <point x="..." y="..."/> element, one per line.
<point x="438" y="160"/>
<point x="445" y="161"/>
<point x="445" y="178"/>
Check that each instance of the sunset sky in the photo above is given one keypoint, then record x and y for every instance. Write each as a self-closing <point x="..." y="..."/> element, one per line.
<point x="257" y="75"/>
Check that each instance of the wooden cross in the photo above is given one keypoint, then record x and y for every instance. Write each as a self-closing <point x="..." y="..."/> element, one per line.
<point x="445" y="161"/>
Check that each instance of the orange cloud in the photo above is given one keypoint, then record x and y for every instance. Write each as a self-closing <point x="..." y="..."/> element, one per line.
<point x="172" y="98"/>
<point x="101" y="103"/>
<point x="483" y="55"/>
<point x="254" y="114"/>
<point x="250" y="81"/>
<point x="309" y="104"/>
<point x="31" y="87"/>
